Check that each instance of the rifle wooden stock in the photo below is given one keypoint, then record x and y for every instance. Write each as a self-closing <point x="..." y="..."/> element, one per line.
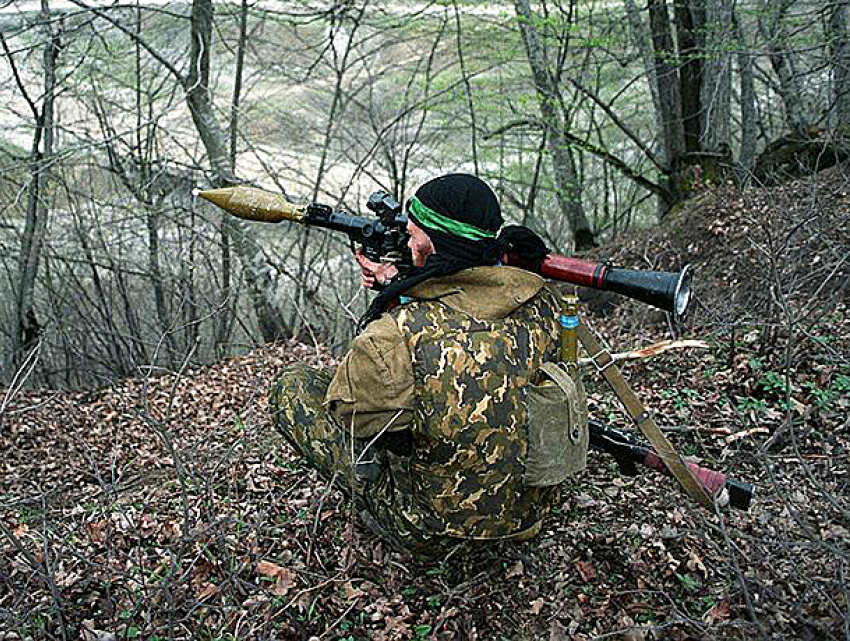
<point x="627" y="450"/>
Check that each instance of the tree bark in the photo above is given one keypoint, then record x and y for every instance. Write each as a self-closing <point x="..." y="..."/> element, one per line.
<point x="224" y="321"/>
<point x="666" y="75"/>
<point x="773" y="29"/>
<point x="473" y="125"/>
<point x="642" y="41"/>
<point x="716" y="90"/>
<point x="839" y="45"/>
<point x="747" y="155"/>
<point x="568" y="188"/>
<point x="196" y="83"/>
<point x="690" y="34"/>
<point x="29" y="328"/>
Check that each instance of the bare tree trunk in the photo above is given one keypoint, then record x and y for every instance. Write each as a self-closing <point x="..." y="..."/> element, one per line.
<point x="666" y="75"/>
<point x="29" y="328"/>
<point x="642" y="41"/>
<point x="839" y="44"/>
<point x="341" y="63"/>
<point x="690" y="35"/>
<point x="568" y="188"/>
<point x="716" y="91"/>
<point x="775" y="33"/>
<point x="473" y="128"/>
<point x="224" y="320"/>
<point x="747" y="155"/>
<point x="214" y="139"/>
<point x="158" y="285"/>
<point x="196" y="84"/>
<point x="144" y="194"/>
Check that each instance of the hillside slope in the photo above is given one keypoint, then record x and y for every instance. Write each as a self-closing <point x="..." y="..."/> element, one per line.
<point x="167" y="507"/>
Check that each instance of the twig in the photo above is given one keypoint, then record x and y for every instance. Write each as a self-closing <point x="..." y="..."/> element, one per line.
<point x="325" y="494"/>
<point x="20" y="377"/>
<point x="652" y="350"/>
<point x="340" y="619"/>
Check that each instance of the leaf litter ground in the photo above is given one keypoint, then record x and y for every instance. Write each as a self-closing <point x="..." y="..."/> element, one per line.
<point x="168" y="508"/>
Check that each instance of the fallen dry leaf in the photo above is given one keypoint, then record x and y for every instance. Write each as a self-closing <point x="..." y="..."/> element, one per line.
<point x="269" y="569"/>
<point x="207" y="590"/>
<point x="282" y="576"/>
<point x="537" y="605"/>
<point x="586" y="570"/>
<point x="719" y="612"/>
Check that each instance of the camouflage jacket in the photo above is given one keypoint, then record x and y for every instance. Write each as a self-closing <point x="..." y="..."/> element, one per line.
<point x="452" y="366"/>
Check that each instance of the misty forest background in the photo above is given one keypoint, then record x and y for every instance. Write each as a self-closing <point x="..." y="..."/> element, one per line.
<point x="144" y="492"/>
<point x="589" y="119"/>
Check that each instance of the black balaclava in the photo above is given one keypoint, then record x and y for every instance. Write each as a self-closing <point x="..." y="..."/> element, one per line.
<point x="461" y="215"/>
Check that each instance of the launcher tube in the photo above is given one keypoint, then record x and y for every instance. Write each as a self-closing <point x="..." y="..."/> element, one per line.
<point x="670" y="291"/>
<point x="574" y="270"/>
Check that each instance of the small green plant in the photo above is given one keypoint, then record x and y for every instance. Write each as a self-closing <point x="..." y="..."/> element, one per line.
<point x="824" y="397"/>
<point x="772" y="383"/>
<point x="746" y="404"/>
<point x="647" y="616"/>
<point x="682" y="398"/>
<point x="688" y="582"/>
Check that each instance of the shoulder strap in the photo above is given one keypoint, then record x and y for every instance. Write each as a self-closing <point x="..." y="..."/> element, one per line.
<point x="605" y="364"/>
<point x="558" y="375"/>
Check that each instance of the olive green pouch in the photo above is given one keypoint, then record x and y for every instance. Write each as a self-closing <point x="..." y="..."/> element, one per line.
<point x="557" y="427"/>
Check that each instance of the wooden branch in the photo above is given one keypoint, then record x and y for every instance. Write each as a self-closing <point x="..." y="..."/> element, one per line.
<point x="135" y="37"/>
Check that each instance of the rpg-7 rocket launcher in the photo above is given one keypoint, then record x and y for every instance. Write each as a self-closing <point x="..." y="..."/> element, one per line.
<point x="629" y="451"/>
<point x="384" y="239"/>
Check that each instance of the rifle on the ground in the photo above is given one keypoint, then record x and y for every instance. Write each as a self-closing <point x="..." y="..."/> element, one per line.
<point x="628" y="450"/>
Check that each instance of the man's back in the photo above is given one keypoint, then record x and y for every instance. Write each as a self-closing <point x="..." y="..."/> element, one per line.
<point x="476" y="338"/>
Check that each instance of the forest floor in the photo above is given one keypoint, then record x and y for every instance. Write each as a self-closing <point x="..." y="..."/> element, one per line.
<point x="168" y="507"/>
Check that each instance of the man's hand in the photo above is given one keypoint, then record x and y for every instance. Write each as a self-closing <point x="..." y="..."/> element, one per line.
<point x="372" y="273"/>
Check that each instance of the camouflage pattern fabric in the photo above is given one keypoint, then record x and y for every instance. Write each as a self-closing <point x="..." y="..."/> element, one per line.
<point x="470" y="439"/>
<point x="464" y="478"/>
<point x="298" y="412"/>
<point x="296" y="403"/>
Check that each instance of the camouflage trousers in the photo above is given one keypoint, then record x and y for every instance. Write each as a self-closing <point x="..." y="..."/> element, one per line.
<point x="375" y="480"/>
